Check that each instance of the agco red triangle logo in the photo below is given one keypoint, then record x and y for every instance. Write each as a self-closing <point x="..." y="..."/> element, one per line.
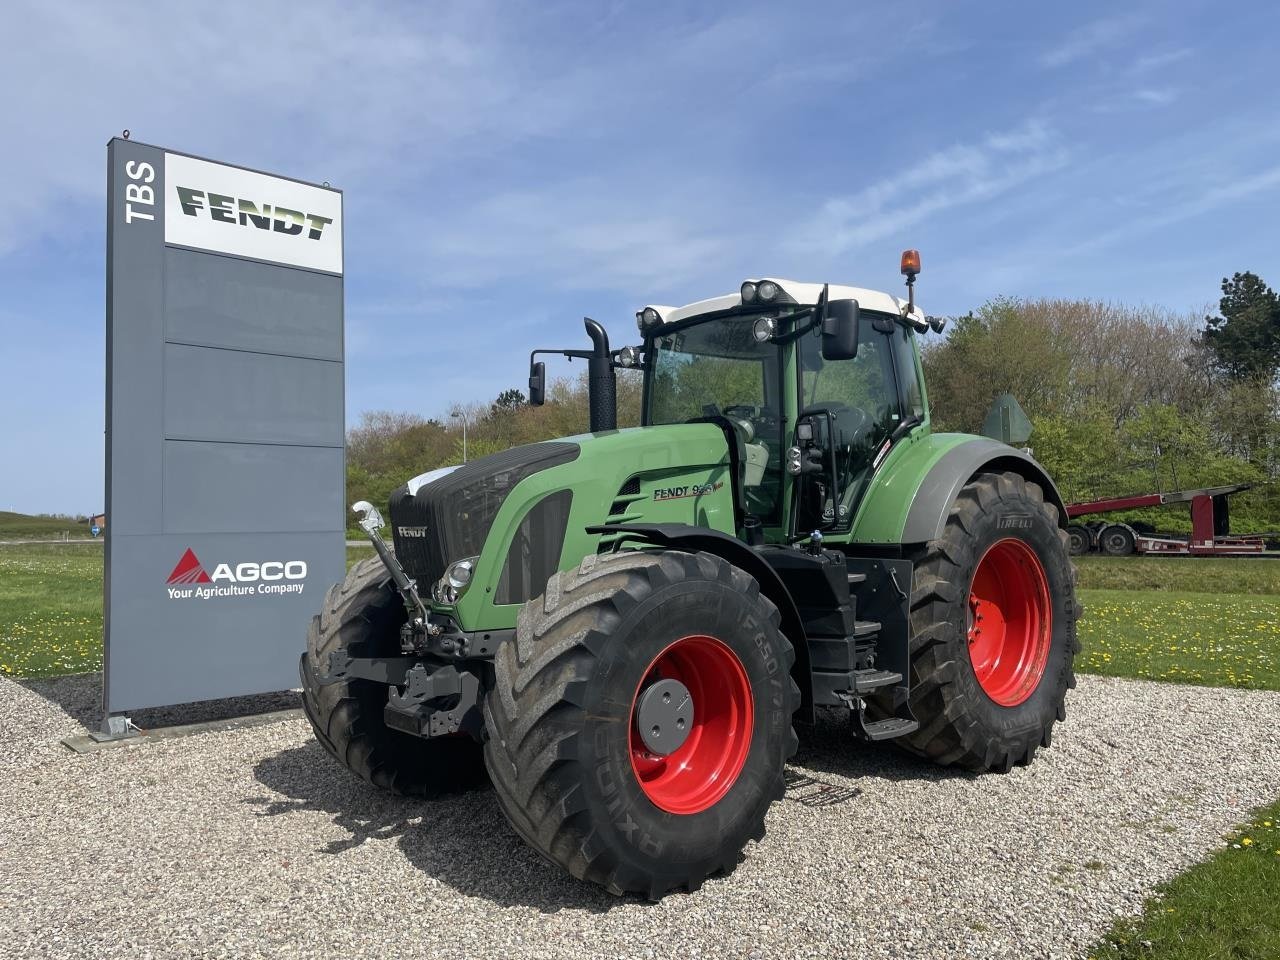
<point x="188" y="570"/>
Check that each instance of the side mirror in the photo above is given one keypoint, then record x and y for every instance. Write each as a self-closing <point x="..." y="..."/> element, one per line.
<point x="537" y="383"/>
<point x="840" y="330"/>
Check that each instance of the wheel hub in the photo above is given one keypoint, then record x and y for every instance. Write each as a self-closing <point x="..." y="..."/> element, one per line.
<point x="1010" y="622"/>
<point x="693" y="757"/>
<point x="664" y="717"/>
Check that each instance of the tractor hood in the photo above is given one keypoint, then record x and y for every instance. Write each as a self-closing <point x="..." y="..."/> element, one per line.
<point x="522" y="514"/>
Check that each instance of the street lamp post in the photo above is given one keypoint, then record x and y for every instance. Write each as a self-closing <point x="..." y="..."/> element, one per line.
<point x="462" y="415"/>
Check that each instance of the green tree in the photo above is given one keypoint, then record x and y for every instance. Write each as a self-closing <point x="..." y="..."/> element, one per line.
<point x="1245" y="337"/>
<point x="509" y="400"/>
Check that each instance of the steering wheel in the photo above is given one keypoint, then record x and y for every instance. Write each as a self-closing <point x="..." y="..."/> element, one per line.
<point x="853" y="419"/>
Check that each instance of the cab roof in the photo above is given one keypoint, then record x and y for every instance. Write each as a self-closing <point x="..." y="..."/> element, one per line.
<point x="801" y="294"/>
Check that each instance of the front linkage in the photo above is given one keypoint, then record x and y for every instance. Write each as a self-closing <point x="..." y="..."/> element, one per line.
<point x="441" y="696"/>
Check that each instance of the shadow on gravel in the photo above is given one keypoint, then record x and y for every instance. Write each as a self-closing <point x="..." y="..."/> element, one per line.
<point x="461" y="840"/>
<point x="80" y="697"/>
<point x="829" y="746"/>
<point x="464" y="840"/>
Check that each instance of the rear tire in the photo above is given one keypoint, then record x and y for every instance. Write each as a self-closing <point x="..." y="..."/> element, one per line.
<point x="988" y="700"/>
<point x="564" y="749"/>
<point x="365" y="612"/>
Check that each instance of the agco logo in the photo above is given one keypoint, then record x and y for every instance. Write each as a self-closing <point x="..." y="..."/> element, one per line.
<point x="248" y="213"/>
<point x="189" y="579"/>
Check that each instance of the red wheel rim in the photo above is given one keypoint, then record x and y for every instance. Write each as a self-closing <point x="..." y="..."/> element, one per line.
<point x="697" y="774"/>
<point x="1010" y="622"/>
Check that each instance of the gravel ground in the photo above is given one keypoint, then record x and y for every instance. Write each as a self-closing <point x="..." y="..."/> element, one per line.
<point x="253" y="843"/>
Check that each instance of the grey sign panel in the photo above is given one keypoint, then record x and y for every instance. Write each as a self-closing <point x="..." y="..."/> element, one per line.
<point x="227" y="302"/>
<point x="275" y="399"/>
<point x="224" y="425"/>
<point x="227" y="481"/>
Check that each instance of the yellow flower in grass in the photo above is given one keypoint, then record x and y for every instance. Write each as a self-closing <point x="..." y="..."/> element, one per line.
<point x="1246" y="842"/>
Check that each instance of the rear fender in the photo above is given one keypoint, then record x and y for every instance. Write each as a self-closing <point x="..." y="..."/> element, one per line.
<point x="910" y="497"/>
<point x="932" y="502"/>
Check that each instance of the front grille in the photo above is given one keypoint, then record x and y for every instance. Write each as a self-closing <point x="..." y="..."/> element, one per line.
<point x="535" y="550"/>
<point x="449" y="519"/>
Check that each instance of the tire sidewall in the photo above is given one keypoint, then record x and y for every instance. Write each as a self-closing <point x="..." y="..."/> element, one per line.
<point x="691" y="607"/>
<point x="1017" y="517"/>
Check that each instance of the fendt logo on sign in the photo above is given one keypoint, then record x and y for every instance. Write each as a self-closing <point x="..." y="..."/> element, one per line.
<point x="190" y="580"/>
<point x="226" y="209"/>
<point x="248" y="213"/>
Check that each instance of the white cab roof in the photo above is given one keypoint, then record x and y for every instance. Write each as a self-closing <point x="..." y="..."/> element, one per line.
<point x="804" y="294"/>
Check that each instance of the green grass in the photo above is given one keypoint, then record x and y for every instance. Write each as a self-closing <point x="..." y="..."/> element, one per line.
<point x="1188" y="574"/>
<point x="50" y="609"/>
<point x="20" y="526"/>
<point x="1218" y="640"/>
<point x="1223" y="908"/>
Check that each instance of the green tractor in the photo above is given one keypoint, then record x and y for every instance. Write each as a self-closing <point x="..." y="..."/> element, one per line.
<point x="624" y="628"/>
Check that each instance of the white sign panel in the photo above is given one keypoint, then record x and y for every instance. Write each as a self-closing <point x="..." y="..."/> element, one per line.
<point x="211" y="206"/>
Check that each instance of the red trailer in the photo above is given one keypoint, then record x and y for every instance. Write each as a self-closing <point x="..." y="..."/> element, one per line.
<point x="1210" y="526"/>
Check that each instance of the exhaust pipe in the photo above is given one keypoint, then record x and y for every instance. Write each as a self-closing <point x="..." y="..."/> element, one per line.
<point x="602" y="382"/>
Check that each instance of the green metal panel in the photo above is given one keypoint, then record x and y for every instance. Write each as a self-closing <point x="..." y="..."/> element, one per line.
<point x="883" y="511"/>
<point x="684" y="477"/>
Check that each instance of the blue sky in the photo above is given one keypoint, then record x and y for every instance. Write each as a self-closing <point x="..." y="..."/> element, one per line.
<point x="511" y="167"/>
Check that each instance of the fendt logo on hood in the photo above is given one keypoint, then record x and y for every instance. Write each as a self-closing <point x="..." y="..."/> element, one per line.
<point x="189" y="578"/>
<point x="249" y="213"/>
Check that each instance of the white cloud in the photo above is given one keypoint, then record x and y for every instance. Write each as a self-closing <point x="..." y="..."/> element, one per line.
<point x="322" y="91"/>
<point x="1085" y="41"/>
<point x="960" y="175"/>
<point x="1157" y="61"/>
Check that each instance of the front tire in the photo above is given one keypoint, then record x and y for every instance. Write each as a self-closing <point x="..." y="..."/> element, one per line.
<point x="366" y="612"/>
<point x="574" y="771"/>
<point x="993" y="620"/>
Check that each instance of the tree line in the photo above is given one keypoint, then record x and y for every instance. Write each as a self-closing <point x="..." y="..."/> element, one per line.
<point x="1122" y="399"/>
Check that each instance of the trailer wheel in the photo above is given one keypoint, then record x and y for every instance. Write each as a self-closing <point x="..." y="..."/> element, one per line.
<point x="1116" y="540"/>
<point x="640" y="719"/>
<point x="1078" y="539"/>
<point x="993" y="621"/>
<point x="366" y="612"/>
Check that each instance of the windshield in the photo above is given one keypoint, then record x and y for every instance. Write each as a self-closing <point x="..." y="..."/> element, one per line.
<point x="716" y="368"/>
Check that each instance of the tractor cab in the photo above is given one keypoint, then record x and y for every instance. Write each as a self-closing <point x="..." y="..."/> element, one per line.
<point x="813" y="382"/>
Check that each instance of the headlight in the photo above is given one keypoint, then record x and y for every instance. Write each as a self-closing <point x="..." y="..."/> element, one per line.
<point x="449" y="588"/>
<point x="459" y="574"/>
<point x="764" y="329"/>
<point x="767" y="290"/>
<point x="748" y="292"/>
<point x="647" y="318"/>
<point x="793" y="461"/>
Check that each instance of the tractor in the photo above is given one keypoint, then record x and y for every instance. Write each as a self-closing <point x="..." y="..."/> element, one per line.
<point x="624" y="629"/>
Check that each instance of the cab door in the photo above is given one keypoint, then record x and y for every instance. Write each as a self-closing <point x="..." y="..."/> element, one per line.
<point x="850" y="413"/>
